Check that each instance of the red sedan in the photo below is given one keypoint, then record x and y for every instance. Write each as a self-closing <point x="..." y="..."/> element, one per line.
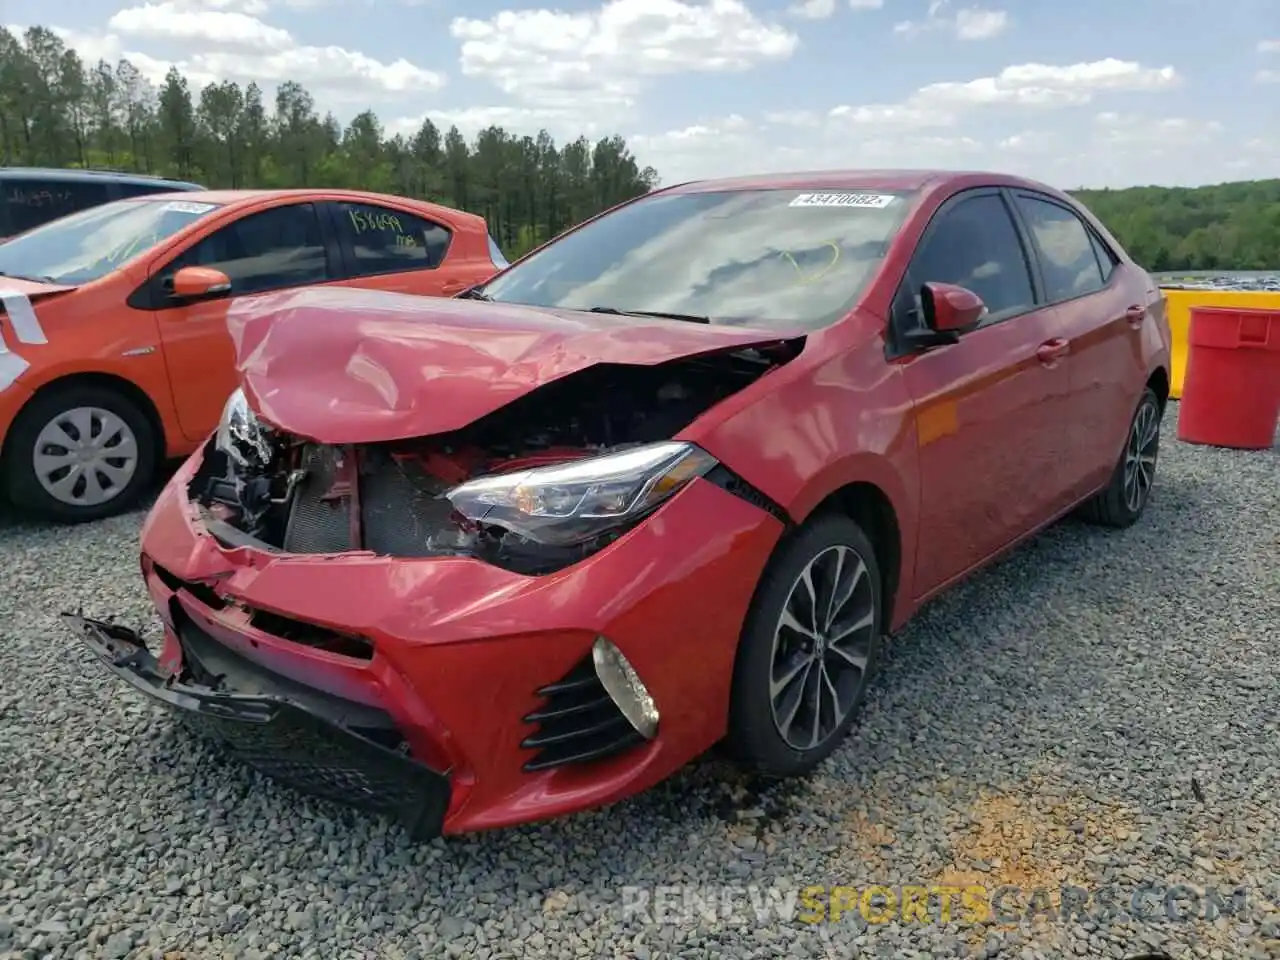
<point x="663" y="483"/>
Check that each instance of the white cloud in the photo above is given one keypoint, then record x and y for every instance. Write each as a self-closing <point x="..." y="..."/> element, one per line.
<point x="949" y="125"/>
<point x="228" y="29"/>
<point x="603" y="58"/>
<point x="1267" y="76"/>
<point x="813" y="9"/>
<point x="968" y="23"/>
<point x="1032" y="85"/>
<point x="976" y="24"/>
<point x="865" y="4"/>
<point x="1269" y="46"/>
<point x="223" y="40"/>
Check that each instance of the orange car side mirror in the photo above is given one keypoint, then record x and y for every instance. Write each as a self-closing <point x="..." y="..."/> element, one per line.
<point x="192" y="283"/>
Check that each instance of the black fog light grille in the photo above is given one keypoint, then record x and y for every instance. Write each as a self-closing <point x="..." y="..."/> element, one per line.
<point x="578" y="722"/>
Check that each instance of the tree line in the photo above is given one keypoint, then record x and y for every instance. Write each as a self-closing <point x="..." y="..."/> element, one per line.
<point x="58" y="111"/>
<point x="1228" y="226"/>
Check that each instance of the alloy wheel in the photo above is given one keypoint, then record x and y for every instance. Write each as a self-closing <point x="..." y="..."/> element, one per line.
<point x="821" y="647"/>
<point x="85" y="456"/>
<point x="1140" y="457"/>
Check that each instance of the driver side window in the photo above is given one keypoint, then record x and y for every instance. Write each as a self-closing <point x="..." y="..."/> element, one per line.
<point x="975" y="245"/>
<point x="280" y="247"/>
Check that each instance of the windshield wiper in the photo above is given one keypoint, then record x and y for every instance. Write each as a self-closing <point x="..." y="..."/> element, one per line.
<point x="474" y="293"/>
<point x="660" y="314"/>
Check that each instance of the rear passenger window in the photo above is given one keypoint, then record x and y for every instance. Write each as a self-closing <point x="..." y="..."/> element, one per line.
<point x="1065" y="248"/>
<point x="29" y="203"/>
<point x="976" y="246"/>
<point x="383" y="240"/>
<point x="1106" y="259"/>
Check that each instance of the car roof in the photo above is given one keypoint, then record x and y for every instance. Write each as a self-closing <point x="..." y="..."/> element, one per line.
<point x="87" y="176"/>
<point x="904" y="179"/>
<point x="231" y="197"/>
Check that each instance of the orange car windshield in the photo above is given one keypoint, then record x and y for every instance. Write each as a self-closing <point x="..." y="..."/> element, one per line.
<point x="90" y="244"/>
<point x="777" y="258"/>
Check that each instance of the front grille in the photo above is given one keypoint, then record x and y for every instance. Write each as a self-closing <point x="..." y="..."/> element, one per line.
<point x="313" y="741"/>
<point x="577" y="723"/>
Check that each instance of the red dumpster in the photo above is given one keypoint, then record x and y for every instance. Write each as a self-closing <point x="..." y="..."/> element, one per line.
<point x="1231" y="394"/>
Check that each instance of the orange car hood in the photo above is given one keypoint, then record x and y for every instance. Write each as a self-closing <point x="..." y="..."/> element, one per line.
<point x="343" y="365"/>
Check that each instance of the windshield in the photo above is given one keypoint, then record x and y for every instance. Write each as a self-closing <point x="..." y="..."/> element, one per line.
<point x="782" y="258"/>
<point x="90" y="244"/>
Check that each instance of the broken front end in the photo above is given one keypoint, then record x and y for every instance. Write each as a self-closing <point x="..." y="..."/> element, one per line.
<point x="534" y="614"/>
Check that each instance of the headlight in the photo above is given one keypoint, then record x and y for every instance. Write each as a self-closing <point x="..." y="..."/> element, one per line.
<point x="574" y="502"/>
<point x="240" y="434"/>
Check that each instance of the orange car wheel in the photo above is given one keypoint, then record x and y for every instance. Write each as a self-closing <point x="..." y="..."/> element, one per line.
<point x="79" y="452"/>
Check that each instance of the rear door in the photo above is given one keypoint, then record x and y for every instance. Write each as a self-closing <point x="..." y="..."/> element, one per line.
<point x="1100" y="306"/>
<point x="273" y="249"/>
<point x="391" y="248"/>
<point x="987" y="408"/>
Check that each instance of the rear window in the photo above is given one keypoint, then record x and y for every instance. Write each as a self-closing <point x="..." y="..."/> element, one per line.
<point x="787" y="258"/>
<point x="29" y="202"/>
<point x="90" y="244"/>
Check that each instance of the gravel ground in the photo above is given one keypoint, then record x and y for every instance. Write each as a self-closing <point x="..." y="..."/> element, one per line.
<point x="1098" y="710"/>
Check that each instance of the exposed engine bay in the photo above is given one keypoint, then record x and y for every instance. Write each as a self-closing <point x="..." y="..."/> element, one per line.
<point x="290" y="494"/>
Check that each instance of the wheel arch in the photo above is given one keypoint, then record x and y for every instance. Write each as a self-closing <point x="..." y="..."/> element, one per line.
<point x="870" y="508"/>
<point x="1158" y="381"/>
<point x="108" y="381"/>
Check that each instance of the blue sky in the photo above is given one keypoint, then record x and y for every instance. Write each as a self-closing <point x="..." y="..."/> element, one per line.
<point x="1078" y="93"/>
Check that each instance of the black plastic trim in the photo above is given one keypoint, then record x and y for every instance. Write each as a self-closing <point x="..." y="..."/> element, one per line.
<point x="577" y="723"/>
<point x="343" y="751"/>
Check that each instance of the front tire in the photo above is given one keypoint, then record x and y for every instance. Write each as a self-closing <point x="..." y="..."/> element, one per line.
<point x="79" y="452"/>
<point x="1124" y="499"/>
<point x="808" y="649"/>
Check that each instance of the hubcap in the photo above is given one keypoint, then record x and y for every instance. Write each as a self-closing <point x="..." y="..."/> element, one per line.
<point x="821" y="646"/>
<point x="1140" y="457"/>
<point x="85" y="456"/>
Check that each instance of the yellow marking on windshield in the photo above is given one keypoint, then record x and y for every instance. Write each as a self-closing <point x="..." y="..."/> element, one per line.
<point x="801" y="279"/>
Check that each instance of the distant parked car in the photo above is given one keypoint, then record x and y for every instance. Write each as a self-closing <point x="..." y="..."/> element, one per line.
<point x="665" y="482"/>
<point x="31" y="196"/>
<point x="114" y="348"/>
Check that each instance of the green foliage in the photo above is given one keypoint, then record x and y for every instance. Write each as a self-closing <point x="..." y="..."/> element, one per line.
<point x="55" y="111"/>
<point x="1228" y="226"/>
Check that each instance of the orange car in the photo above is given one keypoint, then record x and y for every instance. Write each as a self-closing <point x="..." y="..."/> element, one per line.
<point x="114" y="349"/>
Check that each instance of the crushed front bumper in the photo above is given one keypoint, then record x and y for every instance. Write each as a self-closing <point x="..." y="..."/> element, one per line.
<point x="313" y="741"/>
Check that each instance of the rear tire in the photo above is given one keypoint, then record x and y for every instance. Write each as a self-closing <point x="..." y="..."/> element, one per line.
<point x="800" y="678"/>
<point x="79" y="452"/>
<point x="1124" y="499"/>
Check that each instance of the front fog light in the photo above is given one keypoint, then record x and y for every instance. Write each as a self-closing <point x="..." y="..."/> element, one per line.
<point x="624" y="686"/>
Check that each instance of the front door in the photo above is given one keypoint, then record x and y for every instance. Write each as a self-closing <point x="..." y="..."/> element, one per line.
<point x="279" y="247"/>
<point x="987" y="408"/>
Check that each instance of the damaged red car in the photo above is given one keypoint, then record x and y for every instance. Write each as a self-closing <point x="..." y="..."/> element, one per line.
<point x="660" y="485"/>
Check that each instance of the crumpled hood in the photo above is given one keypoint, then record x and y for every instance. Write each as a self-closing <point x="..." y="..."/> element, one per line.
<point x="345" y="365"/>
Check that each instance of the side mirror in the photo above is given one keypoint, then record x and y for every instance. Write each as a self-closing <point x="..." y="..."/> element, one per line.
<point x="194" y="283"/>
<point x="950" y="309"/>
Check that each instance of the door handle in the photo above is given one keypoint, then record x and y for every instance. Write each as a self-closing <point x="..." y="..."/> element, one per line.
<point x="454" y="286"/>
<point x="1135" y="315"/>
<point x="1053" y="350"/>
